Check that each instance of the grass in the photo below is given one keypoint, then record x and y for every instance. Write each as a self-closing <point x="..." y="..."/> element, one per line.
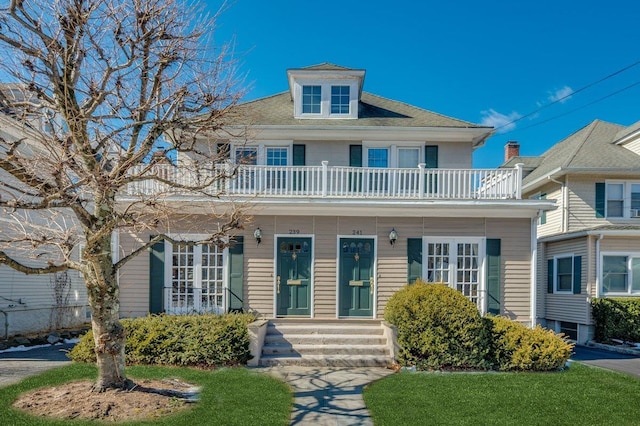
<point x="581" y="395"/>
<point x="230" y="396"/>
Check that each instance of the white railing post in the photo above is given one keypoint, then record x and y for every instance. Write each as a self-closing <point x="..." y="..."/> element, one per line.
<point x="325" y="179"/>
<point x="421" y="179"/>
<point x="519" y="180"/>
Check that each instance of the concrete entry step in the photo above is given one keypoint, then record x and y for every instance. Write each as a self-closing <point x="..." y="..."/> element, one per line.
<point x="331" y="343"/>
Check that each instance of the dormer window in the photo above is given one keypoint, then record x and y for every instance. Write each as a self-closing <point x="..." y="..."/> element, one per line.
<point x="325" y="91"/>
<point x="340" y="99"/>
<point x="311" y="99"/>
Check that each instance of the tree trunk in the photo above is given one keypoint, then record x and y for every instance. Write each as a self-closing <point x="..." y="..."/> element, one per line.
<point x="108" y="332"/>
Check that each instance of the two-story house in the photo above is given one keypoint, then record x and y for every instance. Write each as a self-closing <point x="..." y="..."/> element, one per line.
<point x="590" y="245"/>
<point x="354" y="195"/>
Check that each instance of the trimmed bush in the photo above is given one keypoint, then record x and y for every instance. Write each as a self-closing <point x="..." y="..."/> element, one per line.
<point x="438" y="328"/>
<point x="186" y="340"/>
<point x="515" y="347"/>
<point x="616" y="318"/>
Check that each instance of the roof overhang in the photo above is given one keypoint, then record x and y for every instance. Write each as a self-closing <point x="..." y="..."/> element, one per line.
<point x="591" y="232"/>
<point x="334" y="74"/>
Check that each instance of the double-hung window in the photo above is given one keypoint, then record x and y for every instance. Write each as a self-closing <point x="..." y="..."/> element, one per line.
<point x="620" y="274"/>
<point x="564" y="275"/>
<point x="311" y="99"/>
<point x="340" y="98"/>
<point x="619" y="199"/>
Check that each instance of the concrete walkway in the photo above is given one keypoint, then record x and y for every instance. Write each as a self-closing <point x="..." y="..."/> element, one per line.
<point x="328" y="396"/>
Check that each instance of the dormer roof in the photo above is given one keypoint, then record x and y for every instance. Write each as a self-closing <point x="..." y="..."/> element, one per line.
<point x="326" y="71"/>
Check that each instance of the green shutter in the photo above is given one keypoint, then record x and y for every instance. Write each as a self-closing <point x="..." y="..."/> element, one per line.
<point x="577" y="274"/>
<point x="431" y="156"/>
<point x="493" y="275"/>
<point x="414" y="259"/>
<point x="355" y="155"/>
<point x="156" y="278"/>
<point x="600" y="203"/>
<point x="550" y="276"/>
<point x="543" y="215"/>
<point x="299" y="155"/>
<point x="236" y="274"/>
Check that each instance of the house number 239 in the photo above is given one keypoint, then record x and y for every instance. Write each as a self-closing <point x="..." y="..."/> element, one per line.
<point x="356" y="232"/>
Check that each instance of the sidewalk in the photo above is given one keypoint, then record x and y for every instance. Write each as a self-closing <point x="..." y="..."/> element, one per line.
<point x="328" y="396"/>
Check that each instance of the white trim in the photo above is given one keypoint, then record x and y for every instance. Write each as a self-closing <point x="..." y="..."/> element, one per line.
<point x="481" y="241"/>
<point x="311" y="270"/>
<point x="629" y="255"/>
<point x="534" y="273"/>
<point x="375" y="271"/>
<point x="555" y="272"/>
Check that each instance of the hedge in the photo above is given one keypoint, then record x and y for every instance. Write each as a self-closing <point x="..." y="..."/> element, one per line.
<point x="616" y="318"/>
<point x="186" y="340"/>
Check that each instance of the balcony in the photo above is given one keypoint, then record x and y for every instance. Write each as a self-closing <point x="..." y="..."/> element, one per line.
<point x="333" y="182"/>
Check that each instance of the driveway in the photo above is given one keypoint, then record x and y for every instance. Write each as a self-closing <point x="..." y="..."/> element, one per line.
<point x="15" y="366"/>
<point x="610" y="360"/>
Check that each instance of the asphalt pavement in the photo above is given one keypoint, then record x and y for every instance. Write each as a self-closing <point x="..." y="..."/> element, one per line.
<point x="629" y="364"/>
<point x="15" y="366"/>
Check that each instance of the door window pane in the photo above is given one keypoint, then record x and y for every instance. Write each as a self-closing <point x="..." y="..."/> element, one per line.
<point x="408" y="158"/>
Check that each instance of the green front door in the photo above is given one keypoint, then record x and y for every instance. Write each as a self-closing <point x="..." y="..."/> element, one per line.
<point x="357" y="282"/>
<point x="293" y="279"/>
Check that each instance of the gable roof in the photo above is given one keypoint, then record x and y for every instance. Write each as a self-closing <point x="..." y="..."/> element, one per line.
<point x="277" y="110"/>
<point x="590" y="149"/>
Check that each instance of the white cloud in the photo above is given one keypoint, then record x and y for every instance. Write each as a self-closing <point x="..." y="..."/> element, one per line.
<point x="503" y="123"/>
<point x="561" y="95"/>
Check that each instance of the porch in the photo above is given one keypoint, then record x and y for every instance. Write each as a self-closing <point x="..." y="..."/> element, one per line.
<point x="328" y="182"/>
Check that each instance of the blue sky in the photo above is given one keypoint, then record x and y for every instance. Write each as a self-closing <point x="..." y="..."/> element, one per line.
<point x="485" y="62"/>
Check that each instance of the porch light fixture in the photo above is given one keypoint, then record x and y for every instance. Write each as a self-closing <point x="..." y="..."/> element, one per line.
<point x="393" y="236"/>
<point x="257" y="234"/>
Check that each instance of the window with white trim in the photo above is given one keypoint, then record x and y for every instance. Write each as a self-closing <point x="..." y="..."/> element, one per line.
<point x="622" y="199"/>
<point x="563" y="277"/>
<point x="340" y="99"/>
<point x="194" y="277"/>
<point x="311" y="99"/>
<point x="456" y="262"/>
<point x="620" y="274"/>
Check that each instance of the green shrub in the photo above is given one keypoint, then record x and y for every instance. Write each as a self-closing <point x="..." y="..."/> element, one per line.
<point x="515" y="347"/>
<point x="438" y="328"/>
<point x="616" y="318"/>
<point x="186" y="340"/>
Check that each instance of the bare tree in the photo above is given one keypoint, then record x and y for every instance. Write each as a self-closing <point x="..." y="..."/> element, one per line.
<point x="106" y="91"/>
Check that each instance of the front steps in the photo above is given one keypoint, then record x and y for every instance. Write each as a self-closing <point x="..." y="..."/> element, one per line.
<point x="325" y="343"/>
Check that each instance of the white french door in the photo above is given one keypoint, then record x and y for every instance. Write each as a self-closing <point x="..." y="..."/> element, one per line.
<point x="194" y="278"/>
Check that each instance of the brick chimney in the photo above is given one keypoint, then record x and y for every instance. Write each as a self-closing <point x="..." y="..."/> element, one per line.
<point x="511" y="149"/>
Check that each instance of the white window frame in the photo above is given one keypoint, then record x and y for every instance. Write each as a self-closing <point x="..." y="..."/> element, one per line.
<point x="626" y="198"/>
<point x="261" y="150"/>
<point x="557" y="290"/>
<point x="629" y="256"/>
<point x="393" y="148"/>
<point x="325" y="105"/>
<point x="197" y="271"/>
<point x="452" y="269"/>
<point x="331" y="104"/>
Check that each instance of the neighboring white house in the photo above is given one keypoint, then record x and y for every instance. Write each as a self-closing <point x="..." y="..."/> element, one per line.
<point x="354" y="196"/>
<point x="31" y="303"/>
<point x="590" y="246"/>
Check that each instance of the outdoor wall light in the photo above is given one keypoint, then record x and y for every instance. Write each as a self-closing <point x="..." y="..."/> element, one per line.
<point x="393" y="236"/>
<point x="257" y="234"/>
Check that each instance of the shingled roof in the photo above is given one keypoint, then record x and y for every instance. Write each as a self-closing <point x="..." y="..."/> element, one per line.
<point x="277" y="110"/>
<point x="591" y="147"/>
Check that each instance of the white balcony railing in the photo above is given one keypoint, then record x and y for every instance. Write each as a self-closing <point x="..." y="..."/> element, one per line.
<point x="336" y="182"/>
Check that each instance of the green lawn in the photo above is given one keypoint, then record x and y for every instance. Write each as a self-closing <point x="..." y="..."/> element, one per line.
<point x="580" y="395"/>
<point x="235" y="396"/>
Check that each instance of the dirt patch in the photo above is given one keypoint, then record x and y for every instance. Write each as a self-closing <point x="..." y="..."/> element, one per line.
<point x="74" y="400"/>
